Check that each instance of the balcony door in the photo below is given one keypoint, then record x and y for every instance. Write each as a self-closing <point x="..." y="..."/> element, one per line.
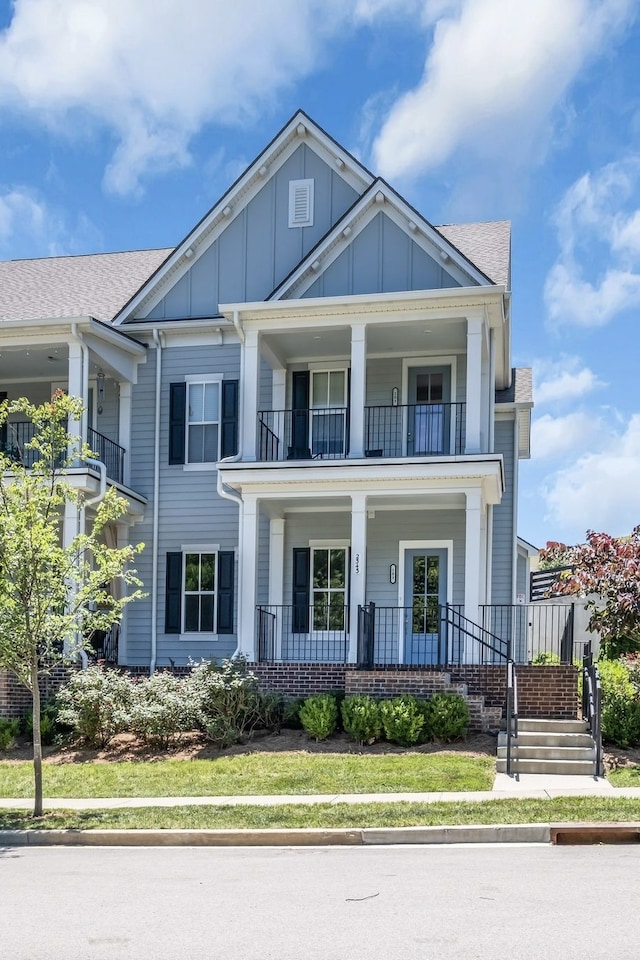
<point x="319" y="418"/>
<point x="425" y="593"/>
<point x="429" y="411"/>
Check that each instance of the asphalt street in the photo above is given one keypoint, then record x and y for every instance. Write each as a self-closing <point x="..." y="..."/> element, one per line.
<point x="398" y="903"/>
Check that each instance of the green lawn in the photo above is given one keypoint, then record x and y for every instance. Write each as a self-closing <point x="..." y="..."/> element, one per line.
<point x="339" y="815"/>
<point x="625" y="777"/>
<point x="257" y="773"/>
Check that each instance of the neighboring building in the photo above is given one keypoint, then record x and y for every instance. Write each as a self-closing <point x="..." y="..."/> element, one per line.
<point x="309" y="407"/>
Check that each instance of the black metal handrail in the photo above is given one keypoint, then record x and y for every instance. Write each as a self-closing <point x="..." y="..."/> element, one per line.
<point x="301" y="632"/>
<point x="511" y="713"/>
<point x="321" y="433"/>
<point x="110" y="452"/>
<point x="491" y="645"/>
<point x="592" y="704"/>
<point x="415" y="430"/>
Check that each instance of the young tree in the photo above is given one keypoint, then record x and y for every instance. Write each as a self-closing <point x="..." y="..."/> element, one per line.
<point x="606" y="569"/>
<point x="52" y="595"/>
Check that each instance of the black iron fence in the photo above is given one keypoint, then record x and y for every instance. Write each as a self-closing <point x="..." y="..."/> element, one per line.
<point x="110" y="452"/>
<point x="15" y="437"/>
<point x="592" y="704"/>
<point x="537" y="632"/>
<point x="316" y="633"/>
<point x="415" y="430"/>
<point x="319" y="434"/>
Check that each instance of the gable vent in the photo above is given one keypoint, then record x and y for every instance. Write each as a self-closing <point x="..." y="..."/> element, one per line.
<point x="301" y="203"/>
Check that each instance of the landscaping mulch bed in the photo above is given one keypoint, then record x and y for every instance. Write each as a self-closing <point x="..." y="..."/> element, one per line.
<point x="194" y="746"/>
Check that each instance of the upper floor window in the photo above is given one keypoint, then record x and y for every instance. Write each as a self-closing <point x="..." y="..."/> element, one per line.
<point x="301" y="203"/>
<point x="203" y="422"/>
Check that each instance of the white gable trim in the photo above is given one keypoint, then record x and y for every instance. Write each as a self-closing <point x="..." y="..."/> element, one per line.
<point x="299" y="130"/>
<point x="379" y="197"/>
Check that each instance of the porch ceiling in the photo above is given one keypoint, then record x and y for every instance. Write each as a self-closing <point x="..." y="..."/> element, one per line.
<point x="282" y="507"/>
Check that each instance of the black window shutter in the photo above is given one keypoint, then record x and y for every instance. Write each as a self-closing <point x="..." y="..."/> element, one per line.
<point x="229" y="424"/>
<point x="301" y="586"/>
<point x="173" y="595"/>
<point x="226" y="564"/>
<point x="177" y="421"/>
<point x="3" y="428"/>
<point x="299" y="449"/>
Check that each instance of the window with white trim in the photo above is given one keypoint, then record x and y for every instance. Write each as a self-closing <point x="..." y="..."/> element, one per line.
<point x="301" y="203"/>
<point x="199" y="592"/>
<point x="203" y="422"/>
<point x="329" y="587"/>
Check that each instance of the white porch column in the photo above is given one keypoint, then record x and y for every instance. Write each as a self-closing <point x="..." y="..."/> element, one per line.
<point x="357" y="398"/>
<point x="279" y="388"/>
<point x="70" y="530"/>
<point x="122" y="539"/>
<point x="472" y="567"/>
<point x="276" y="577"/>
<point x="75" y="389"/>
<point x="358" y="574"/>
<point x="249" y="387"/>
<point x="474" y="385"/>
<point x="124" y="428"/>
<point x="247" y="578"/>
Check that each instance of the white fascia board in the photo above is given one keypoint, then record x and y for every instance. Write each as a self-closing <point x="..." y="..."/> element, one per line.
<point x="356" y="219"/>
<point x="237" y="198"/>
<point x="455" y="302"/>
<point x="49" y="329"/>
<point x="402" y="477"/>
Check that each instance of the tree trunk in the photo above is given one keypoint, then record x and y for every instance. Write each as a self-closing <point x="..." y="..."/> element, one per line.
<point x="37" y="741"/>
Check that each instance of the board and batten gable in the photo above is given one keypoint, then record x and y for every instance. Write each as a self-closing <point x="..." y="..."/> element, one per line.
<point x="190" y="510"/>
<point x="382" y="258"/>
<point x="258" y="248"/>
<point x="504" y="535"/>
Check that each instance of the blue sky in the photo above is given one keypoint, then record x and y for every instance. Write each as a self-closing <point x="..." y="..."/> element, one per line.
<point x="122" y="121"/>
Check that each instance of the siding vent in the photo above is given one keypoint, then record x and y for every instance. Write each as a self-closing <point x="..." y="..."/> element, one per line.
<point x="301" y="203"/>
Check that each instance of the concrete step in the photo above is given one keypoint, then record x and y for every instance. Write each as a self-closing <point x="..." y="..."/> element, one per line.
<point x="534" y="739"/>
<point x="559" y="767"/>
<point x="534" y="725"/>
<point x="549" y="753"/>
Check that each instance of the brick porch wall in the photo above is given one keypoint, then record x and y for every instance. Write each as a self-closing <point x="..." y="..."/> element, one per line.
<point x="300" y="679"/>
<point x="15" y="700"/>
<point x="544" y="691"/>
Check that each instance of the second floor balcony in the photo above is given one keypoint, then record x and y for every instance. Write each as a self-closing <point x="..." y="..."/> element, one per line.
<point x="16" y="436"/>
<point x="325" y="433"/>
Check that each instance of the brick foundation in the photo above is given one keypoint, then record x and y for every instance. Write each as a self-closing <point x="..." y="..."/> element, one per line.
<point x="15" y="700"/>
<point x="300" y="679"/>
<point x="545" y="691"/>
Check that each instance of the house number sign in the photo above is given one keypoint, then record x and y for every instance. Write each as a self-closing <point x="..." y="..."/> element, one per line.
<point x="356" y="563"/>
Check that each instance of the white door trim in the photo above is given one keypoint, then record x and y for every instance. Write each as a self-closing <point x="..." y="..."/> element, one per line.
<point x="403" y="546"/>
<point x="450" y="361"/>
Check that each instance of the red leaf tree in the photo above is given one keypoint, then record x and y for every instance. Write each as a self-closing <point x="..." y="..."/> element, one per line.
<point x="606" y="570"/>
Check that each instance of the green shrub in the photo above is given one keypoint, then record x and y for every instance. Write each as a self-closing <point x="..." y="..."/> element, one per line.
<point x="621" y="720"/>
<point x="319" y="716"/>
<point x="49" y="726"/>
<point x="291" y="714"/>
<point x="161" y="709"/>
<point x="446" y="717"/>
<point x="361" y="719"/>
<point x="9" y="730"/>
<point x="545" y="659"/>
<point x="403" y="719"/>
<point x="95" y="704"/>
<point x="225" y="699"/>
<point x="615" y="679"/>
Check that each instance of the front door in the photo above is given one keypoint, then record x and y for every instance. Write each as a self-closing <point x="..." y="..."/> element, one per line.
<point x="429" y="411"/>
<point x="425" y="591"/>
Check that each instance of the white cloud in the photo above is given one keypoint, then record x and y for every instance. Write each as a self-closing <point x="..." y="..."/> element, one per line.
<point x="494" y="75"/>
<point x="560" y="436"/>
<point x="556" y="381"/>
<point x="155" y="71"/>
<point x="28" y="226"/>
<point x="600" y="490"/>
<point x="597" y="273"/>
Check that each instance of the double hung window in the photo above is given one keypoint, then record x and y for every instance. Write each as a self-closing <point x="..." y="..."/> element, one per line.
<point x="203" y="422"/>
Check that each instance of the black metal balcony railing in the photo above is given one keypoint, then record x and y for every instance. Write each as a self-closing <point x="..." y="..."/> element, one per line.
<point x="16" y="435"/>
<point x="537" y="632"/>
<point x="297" y="632"/>
<point x="318" y="434"/>
<point x="110" y="452"/>
<point x="410" y="430"/>
<point x="415" y="430"/>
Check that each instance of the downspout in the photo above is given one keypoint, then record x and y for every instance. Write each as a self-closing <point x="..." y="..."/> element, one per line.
<point x="157" y="339"/>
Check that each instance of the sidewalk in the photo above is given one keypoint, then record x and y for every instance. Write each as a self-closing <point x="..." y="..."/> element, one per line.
<point x="531" y="786"/>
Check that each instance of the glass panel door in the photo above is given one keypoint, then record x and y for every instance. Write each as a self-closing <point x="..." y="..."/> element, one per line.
<point x="328" y="413"/>
<point x="429" y="412"/>
<point x="425" y="594"/>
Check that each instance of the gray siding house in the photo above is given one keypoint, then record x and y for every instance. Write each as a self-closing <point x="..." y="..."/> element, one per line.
<point x="310" y="408"/>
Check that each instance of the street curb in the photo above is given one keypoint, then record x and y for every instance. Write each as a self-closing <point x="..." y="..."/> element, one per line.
<point x="367" y="836"/>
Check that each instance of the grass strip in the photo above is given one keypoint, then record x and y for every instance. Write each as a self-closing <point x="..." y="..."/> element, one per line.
<point x="255" y="773"/>
<point x="562" y="809"/>
<point x="625" y="777"/>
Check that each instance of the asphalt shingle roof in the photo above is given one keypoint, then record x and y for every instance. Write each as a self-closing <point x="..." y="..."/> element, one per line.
<point x="521" y="389"/>
<point x="97" y="285"/>
<point x="487" y="245"/>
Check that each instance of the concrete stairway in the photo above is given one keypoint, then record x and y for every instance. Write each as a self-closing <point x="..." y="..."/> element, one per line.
<point x="549" y="746"/>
